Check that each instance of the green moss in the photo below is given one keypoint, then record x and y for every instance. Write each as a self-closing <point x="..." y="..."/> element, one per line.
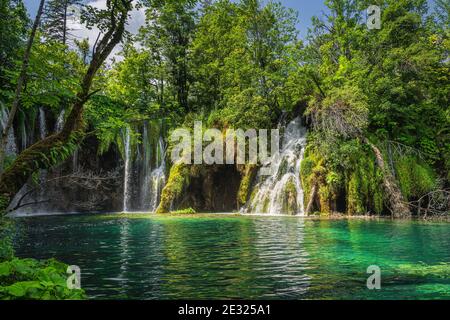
<point x="364" y="186"/>
<point x="354" y="203"/>
<point x="312" y="171"/>
<point x="246" y="182"/>
<point x="415" y="177"/>
<point x="324" y="198"/>
<point x="178" y="180"/>
<point x="349" y="173"/>
<point x="187" y="211"/>
<point x="290" y="198"/>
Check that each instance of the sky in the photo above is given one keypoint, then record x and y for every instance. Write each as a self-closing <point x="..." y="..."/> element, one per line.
<point x="306" y="9"/>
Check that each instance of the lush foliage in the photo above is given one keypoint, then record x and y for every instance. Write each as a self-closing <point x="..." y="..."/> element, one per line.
<point x="241" y="64"/>
<point x="34" y="280"/>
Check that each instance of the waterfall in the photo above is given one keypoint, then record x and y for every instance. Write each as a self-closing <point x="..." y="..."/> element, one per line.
<point x="24" y="137"/>
<point x="42" y="124"/>
<point x="146" y="168"/>
<point x="282" y="192"/>
<point x="157" y="177"/>
<point x="127" y="171"/>
<point x="153" y="180"/>
<point x="60" y="121"/>
<point x="11" y="148"/>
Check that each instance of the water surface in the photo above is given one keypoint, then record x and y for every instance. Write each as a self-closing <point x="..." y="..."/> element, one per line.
<point x="246" y="257"/>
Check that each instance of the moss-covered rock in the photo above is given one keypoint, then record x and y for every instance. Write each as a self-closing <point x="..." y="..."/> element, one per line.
<point x="290" y="198"/>
<point x="352" y="184"/>
<point x="177" y="182"/>
<point x="248" y="176"/>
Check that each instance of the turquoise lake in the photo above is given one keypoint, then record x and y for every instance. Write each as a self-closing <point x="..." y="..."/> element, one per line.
<point x="243" y="257"/>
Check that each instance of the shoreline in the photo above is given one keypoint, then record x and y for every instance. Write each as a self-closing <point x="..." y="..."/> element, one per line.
<point x="330" y="217"/>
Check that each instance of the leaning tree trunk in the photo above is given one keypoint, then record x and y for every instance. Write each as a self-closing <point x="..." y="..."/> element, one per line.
<point x="19" y="87"/>
<point x="53" y="149"/>
<point x="396" y="202"/>
<point x="312" y="198"/>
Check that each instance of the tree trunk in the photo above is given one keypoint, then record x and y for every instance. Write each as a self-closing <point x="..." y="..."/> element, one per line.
<point x="19" y="87"/>
<point x="53" y="149"/>
<point x="396" y="202"/>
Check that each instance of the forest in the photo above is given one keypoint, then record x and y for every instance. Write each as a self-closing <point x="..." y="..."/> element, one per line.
<point x="85" y="127"/>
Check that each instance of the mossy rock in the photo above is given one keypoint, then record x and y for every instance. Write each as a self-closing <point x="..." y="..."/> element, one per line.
<point x="178" y="180"/>
<point x="290" y="198"/>
<point x="249" y="174"/>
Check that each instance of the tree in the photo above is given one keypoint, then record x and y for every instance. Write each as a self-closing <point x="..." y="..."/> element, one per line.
<point x="83" y="48"/>
<point x="55" y="148"/>
<point x="56" y="15"/>
<point x="13" y="30"/>
<point x="20" y="84"/>
<point x="241" y="63"/>
<point x="169" y="29"/>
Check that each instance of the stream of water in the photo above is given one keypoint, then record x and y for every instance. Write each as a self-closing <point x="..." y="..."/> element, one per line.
<point x="282" y="192"/>
<point x="127" y="170"/>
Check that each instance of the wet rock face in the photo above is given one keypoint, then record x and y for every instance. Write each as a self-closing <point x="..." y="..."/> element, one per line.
<point x="212" y="189"/>
<point x="88" y="183"/>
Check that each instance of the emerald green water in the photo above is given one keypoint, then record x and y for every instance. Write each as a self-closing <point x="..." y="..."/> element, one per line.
<point x="228" y="257"/>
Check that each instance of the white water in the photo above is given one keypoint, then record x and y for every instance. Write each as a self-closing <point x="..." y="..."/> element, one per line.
<point x="147" y="168"/>
<point x="282" y="192"/>
<point x="153" y="180"/>
<point x="158" y="177"/>
<point x="42" y="124"/>
<point x="60" y="121"/>
<point x="24" y="137"/>
<point x="11" y="148"/>
<point x="127" y="171"/>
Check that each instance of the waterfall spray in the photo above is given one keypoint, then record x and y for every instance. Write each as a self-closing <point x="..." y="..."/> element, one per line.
<point x="282" y="192"/>
<point x="126" y="183"/>
<point x="60" y="121"/>
<point x="158" y="178"/>
<point x="11" y="148"/>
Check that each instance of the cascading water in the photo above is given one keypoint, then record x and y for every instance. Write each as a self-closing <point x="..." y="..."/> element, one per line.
<point x="42" y="124"/>
<point x="127" y="171"/>
<point x="60" y="121"/>
<point x="146" y="168"/>
<point x="24" y="137"/>
<point x="11" y="148"/>
<point x="152" y="168"/>
<point x="157" y="177"/>
<point x="282" y="192"/>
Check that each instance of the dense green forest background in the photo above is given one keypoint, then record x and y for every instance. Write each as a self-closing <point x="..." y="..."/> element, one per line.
<point x="241" y="64"/>
<point x="376" y="102"/>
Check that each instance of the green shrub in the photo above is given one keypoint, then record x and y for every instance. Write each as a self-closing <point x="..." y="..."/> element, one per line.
<point x="29" y="279"/>
<point x="6" y="248"/>
<point x="415" y="177"/>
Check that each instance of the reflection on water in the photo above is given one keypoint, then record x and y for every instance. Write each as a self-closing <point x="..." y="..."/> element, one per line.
<point x="226" y="257"/>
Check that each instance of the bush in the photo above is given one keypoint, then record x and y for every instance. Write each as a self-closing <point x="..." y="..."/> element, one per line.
<point x="6" y="248"/>
<point x="29" y="279"/>
<point x="415" y="177"/>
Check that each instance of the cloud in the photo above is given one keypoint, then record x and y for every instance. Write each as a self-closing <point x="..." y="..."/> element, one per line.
<point x="79" y="31"/>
